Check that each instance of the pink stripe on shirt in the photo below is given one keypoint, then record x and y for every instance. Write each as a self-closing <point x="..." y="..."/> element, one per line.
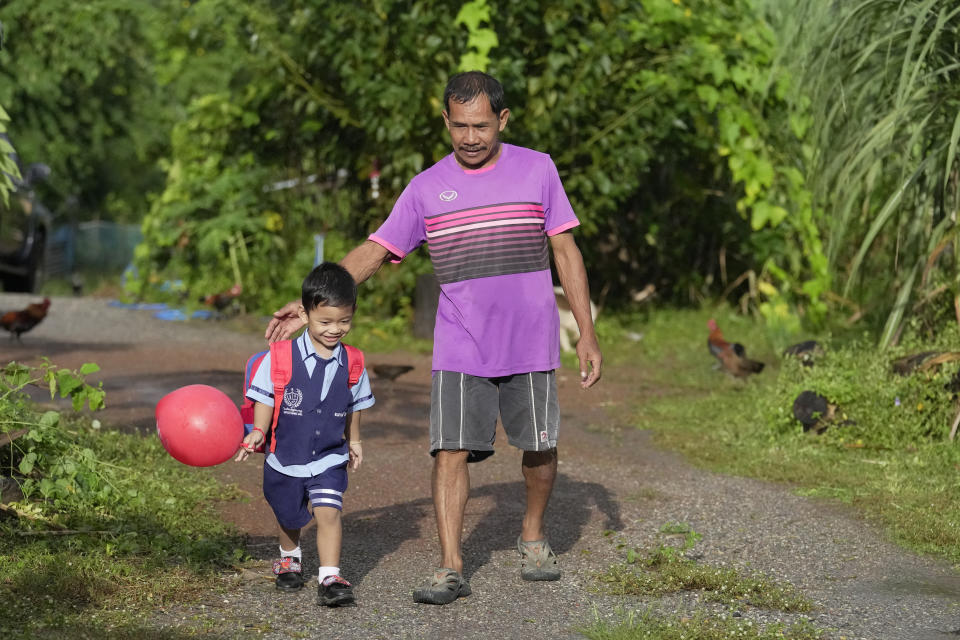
<point x="563" y="227"/>
<point x="388" y="246"/>
<point x="513" y="206"/>
<point x="492" y="216"/>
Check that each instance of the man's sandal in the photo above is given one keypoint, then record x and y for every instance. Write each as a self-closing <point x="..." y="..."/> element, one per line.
<point x="537" y="560"/>
<point x="445" y="586"/>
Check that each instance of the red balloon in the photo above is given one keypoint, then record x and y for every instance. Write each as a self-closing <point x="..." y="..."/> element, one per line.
<point x="199" y="425"/>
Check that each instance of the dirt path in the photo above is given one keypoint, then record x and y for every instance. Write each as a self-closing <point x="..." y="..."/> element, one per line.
<point x="614" y="489"/>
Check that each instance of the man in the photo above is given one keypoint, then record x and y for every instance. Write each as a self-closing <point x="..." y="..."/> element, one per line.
<point x="487" y="212"/>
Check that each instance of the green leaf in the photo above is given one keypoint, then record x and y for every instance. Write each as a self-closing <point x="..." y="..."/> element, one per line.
<point x="27" y="463"/>
<point x="89" y="367"/>
<point x="709" y="95"/>
<point x="49" y="419"/>
<point x="68" y="381"/>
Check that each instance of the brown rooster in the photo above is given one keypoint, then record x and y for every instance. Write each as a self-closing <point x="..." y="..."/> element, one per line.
<point x="732" y="356"/>
<point x="224" y="299"/>
<point x="17" y="322"/>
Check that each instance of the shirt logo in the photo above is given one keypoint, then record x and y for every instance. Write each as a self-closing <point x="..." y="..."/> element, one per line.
<point x="448" y="196"/>
<point x="292" y="397"/>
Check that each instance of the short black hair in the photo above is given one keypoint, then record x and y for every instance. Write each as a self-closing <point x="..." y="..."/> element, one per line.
<point x="465" y="86"/>
<point x="328" y="285"/>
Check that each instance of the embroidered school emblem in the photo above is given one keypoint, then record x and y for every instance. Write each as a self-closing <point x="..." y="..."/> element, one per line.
<point x="292" y="397"/>
<point x="448" y="196"/>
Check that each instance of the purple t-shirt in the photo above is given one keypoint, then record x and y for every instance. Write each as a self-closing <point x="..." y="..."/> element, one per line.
<point x="487" y="233"/>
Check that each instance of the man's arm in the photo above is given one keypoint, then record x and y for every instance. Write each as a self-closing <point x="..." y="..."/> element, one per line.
<point x="362" y="262"/>
<point x="573" y="279"/>
<point x="365" y="260"/>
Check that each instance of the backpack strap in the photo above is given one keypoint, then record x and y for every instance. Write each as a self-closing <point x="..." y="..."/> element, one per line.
<point x="246" y="409"/>
<point x="281" y="370"/>
<point x="354" y="363"/>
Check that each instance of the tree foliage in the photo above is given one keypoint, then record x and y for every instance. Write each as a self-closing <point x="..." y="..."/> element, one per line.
<point x="882" y="80"/>
<point x="8" y="167"/>
<point x="671" y="146"/>
<point x="77" y="78"/>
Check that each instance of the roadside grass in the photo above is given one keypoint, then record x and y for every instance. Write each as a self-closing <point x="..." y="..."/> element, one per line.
<point x="646" y="625"/>
<point x="104" y="567"/>
<point x="892" y="460"/>
<point x="667" y="569"/>
<point x="108" y="528"/>
<point x="97" y="283"/>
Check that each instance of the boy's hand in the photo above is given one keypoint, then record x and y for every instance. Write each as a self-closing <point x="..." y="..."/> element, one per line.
<point x="356" y="455"/>
<point x="249" y="445"/>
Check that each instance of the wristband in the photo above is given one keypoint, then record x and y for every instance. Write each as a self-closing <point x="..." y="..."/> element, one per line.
<point x="260" y="430"/>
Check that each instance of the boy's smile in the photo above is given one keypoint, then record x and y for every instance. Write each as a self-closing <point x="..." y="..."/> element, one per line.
<point x="326" y="326"/>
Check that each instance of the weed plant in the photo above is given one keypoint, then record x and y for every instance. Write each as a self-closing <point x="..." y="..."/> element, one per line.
<point x="107" y="526"/>
<point x="887" y="452"/>
<point x="645" y="625"/>
<point x="667" y="569"/>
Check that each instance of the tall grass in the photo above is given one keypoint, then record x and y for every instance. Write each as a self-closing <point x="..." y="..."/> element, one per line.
<point x="880" y="82"/>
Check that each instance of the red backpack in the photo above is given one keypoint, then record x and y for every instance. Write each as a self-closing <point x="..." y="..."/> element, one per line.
<point x="281" y="368"/>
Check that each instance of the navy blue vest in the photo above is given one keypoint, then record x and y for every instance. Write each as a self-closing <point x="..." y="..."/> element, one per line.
<point x="308" y="429"/>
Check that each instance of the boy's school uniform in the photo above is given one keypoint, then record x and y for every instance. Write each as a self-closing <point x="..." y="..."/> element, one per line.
<point x="309" y="431"/>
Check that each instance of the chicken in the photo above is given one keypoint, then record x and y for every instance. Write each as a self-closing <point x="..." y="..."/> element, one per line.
<point x="813" y="411"/>
<point x="816" y="413"/>
<point x="732" y="357"/>
<point x="805" y="351"/>
<point x="224" y="299"/>
<point x="18" y="322"/>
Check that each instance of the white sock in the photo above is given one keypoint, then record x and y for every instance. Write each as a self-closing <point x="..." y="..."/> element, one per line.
<point x="326" y="572"/>
<point x="293" y="553"/>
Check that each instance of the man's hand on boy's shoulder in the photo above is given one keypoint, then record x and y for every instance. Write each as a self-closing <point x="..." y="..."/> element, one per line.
<point x="284" y="323"/>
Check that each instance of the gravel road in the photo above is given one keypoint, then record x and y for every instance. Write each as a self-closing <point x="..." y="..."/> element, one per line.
<point x="612" y="479"/>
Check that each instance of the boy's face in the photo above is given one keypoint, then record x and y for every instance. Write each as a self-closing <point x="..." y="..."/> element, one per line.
<point x="326" y="326"/>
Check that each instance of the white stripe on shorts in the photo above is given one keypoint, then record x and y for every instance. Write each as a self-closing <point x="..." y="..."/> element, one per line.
<point x="319" y="501"/>
<point x="461" y="412"/>
<point x="533" y="413"/>
<point x="546" y="408"/>
<point x="331" y="491"/>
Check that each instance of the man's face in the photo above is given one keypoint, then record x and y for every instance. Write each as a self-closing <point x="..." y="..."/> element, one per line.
<point x="475" y="131"/>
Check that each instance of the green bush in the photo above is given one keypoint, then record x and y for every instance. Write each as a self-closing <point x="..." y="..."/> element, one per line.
<point x="881" y="81"/>
<point x="675" y="151"/>
<point x="107" y="521"/>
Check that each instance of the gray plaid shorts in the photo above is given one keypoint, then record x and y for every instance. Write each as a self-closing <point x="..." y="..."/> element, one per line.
<point x="464" y="411"/>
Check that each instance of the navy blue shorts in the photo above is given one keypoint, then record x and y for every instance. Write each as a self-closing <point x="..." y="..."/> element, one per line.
<point x="289" y="497"/>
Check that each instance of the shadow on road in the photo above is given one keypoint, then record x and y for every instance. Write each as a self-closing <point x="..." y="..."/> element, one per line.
<point x="373" y="534"/>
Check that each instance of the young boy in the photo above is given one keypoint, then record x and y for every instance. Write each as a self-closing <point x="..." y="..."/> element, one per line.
<point x="317" y="434"/>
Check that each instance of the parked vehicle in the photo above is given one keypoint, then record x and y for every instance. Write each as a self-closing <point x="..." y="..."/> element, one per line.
<point x="24" y="229"/>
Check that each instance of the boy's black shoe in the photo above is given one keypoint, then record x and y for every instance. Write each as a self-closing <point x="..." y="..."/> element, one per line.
<point x="289" y="574"/>
<point x="334" y="591"/>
